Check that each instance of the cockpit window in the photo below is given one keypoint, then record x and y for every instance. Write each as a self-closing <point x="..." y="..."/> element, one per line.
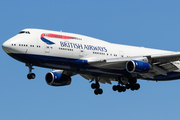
<point x="25" y="32"/>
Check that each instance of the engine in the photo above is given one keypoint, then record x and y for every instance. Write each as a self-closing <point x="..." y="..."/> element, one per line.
<point x="57" y="79"/>
<point x="135" y="66"/>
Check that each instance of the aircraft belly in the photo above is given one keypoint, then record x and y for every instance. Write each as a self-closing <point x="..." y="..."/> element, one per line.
<point x="66" y="64"/>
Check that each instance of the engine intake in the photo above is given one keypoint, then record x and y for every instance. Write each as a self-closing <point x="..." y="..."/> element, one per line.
<point x="57" y="79"/>
<point x="135" y="66"/>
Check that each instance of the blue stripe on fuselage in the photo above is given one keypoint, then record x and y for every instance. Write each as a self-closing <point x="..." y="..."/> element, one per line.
<point x="47" y="41"/>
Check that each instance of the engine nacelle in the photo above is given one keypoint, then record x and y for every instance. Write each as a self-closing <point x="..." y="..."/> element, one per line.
<point x="135" y="66"/>
<point x="57" y="79"/>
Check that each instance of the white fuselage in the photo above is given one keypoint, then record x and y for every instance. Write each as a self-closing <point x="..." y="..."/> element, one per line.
<point x="73" y="48"/>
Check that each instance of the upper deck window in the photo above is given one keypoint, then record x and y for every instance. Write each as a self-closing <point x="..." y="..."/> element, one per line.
<point x="25" y="32"/>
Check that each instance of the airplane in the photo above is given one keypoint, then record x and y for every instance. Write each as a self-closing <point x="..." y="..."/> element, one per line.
<point x="95" y="60"/>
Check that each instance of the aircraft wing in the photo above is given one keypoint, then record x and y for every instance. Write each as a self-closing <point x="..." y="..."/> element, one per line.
<point x="165" y="58"/>
<point x="161" y="63"/>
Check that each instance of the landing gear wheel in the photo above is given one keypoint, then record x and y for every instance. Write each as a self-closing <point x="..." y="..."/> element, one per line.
<point x="31" y="76"/>
<point x="133" y="80"/>
<point x="98" y="91"/>
<point x="114" y="88"/>
<point x="132" y="87"/>
<point x="95" y="85"/>
<point x="128" y="86"/>
<point x="123" y="89"/>
<point x="119" y="88"/>
<point x="137" y="86"/>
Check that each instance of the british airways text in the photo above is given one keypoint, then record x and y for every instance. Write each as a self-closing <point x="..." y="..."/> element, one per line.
<point x="81" y="46"/>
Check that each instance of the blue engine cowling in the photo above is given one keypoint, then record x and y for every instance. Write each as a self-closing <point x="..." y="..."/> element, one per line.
<point x="57" y="79"/>
<point x="135" y="66"/>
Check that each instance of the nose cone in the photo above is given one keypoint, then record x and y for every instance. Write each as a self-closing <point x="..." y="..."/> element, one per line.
<point x="6" y="47"/>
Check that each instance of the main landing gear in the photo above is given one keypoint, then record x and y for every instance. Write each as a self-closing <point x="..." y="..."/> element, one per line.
<point x="123" y="85"/>
<point x="132" y="84"/>
<point x="30" y="75"/>
<point x="96" y="87"/>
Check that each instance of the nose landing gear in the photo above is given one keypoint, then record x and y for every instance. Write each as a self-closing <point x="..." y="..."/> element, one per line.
<point x="30" y="75"/>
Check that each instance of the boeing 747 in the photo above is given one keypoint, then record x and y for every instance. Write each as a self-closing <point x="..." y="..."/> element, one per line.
<point x="93" y="59"/>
